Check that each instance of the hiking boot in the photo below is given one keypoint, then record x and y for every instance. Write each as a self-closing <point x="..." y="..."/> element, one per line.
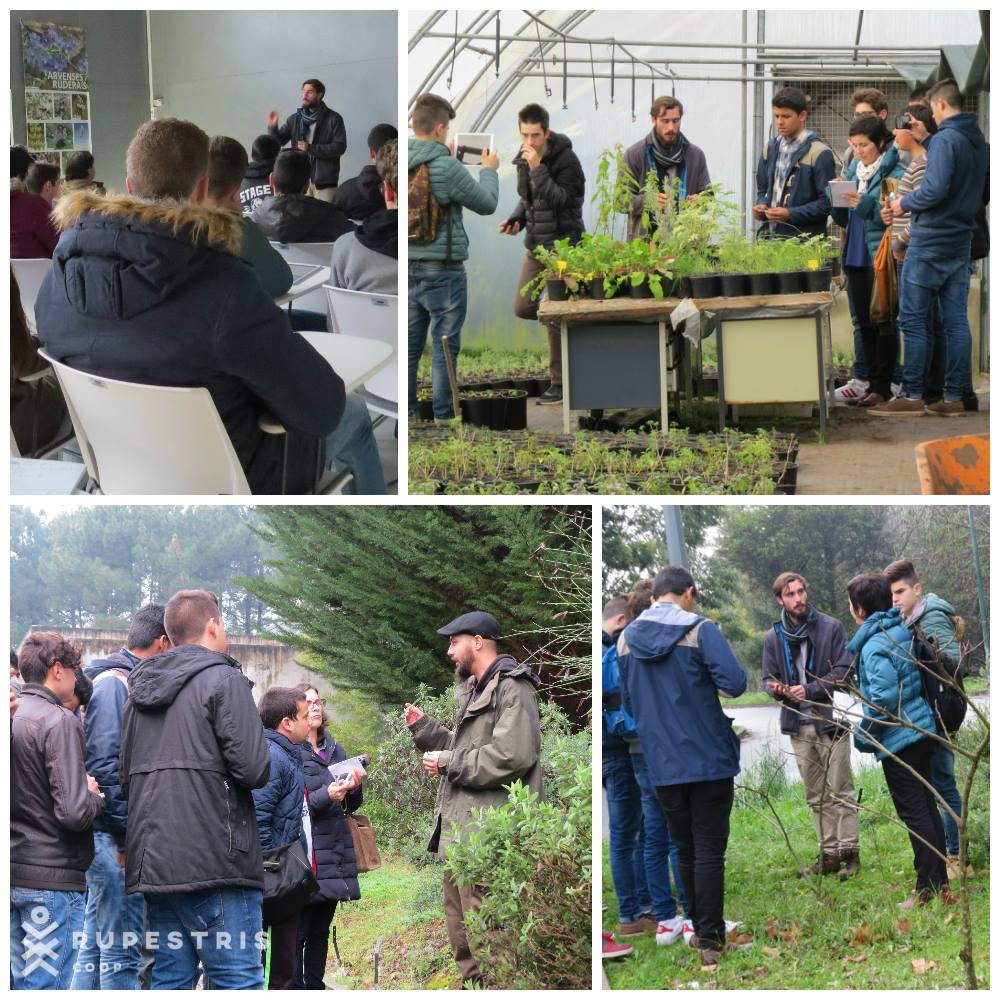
<point x="825" y="864"/>
<point x="949" y="898"/>
<point x="644" y="925"/>
<point x="668" y="931"/>
<point x="901" y="406"/>
<point x="710" y="957"/>
<point x="551" y="396"/>
<point x="921" y="898"/>
<point x="610" y="948"/>
<point x="851" y="861"/>
<point x="942" y="408"/>
<point x="850" y="392"/>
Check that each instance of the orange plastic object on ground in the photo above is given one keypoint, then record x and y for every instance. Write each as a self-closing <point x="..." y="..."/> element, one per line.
<point x="958" y="465"/>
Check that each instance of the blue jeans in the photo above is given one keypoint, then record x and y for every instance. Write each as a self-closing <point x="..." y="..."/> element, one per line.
<point x="943" y="780"/>
<point x="660" y="850"/>
<point x="439" y="297"/>
<point x="221" y="928"/>
<point x="112" y="928"/>
<point x="44" y="928"/>
<point x="625" y="837"/>
<point x="352" y="446"/>
<point x="924" y="277"/>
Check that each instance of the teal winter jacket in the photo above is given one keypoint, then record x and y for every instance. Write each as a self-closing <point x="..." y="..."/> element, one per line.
<point x="869" y="208"/>
<point x="937" y="622"/>
<point x="889" y="679"/>
<point x="452" y="184"/>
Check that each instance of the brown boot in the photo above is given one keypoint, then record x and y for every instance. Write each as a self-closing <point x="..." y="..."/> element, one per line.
<point x="825" y="864"/>
<point x="852" y="863"/>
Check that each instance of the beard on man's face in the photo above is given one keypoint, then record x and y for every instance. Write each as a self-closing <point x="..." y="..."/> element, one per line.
<point x="463" y="671"/>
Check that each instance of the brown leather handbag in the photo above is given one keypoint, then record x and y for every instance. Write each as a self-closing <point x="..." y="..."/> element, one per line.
<point x="366" y="853"/>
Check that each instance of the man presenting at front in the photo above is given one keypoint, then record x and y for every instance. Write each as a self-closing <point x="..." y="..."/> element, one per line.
<point x="805" y="658"/>
<point x="496" y="741"/>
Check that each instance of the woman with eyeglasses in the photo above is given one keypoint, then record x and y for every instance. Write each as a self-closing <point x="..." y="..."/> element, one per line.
<point x="913" y="129"/>
<point x="336" y="870"/>
<point x="875" y="160"/>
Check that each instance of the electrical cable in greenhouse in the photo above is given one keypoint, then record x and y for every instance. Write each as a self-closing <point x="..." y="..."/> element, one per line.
<point x="454" y="52"/>
<point x="633" y="88"/>
<point x="652" y="85"/>
<point x="565" y="104"/>
<point x="497" y="59"/>
<point x="612" y="71"/>
<point x="593" y="73"/>
<point x="541" y="61"/>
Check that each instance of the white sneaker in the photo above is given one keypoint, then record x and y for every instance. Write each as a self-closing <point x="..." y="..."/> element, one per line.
<point x="896" y="388"/>
<point x="668" y="931"/>
<point x="851" y="391"/>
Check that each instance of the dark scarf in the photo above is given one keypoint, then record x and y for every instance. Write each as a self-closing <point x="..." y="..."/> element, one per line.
<point x="305" y="118"/>
<point x="796" y="635"/>
<point x="668" y="157"/>
<point x="380" y="232"/>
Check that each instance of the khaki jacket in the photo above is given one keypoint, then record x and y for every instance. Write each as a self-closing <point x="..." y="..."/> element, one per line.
<point x="496" y="741"/>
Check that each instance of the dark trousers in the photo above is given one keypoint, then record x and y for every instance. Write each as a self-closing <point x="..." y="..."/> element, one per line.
<point x="284" y="938"/>
<point x="879" y="339"/>
<point x="698" y="816"/>
<point x="314" y="942"/>
<point x="917" y="808"/>
<point x="525" y="308"/>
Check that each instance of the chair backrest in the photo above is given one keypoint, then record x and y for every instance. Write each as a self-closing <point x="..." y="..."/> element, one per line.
<point x="957" y="465"/>
<point x="307" y="253"/>
<point x="30" y="272"/>
<point x="372" y="315"/>
<point x="150" y="439"/>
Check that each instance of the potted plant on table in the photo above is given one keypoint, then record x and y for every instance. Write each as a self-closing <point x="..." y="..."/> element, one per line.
<point x="559" y="273"/>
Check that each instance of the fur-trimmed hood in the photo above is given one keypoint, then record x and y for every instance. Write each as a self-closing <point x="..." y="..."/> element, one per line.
<point x="120" y="257"/>
<point x="214" y="227"/>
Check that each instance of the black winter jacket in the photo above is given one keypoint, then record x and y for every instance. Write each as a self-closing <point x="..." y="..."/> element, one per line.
<point x="153" y="292"/>
<point x="255" y="186"/>
<point x="298" y="218"/>
<point x="327" y="144"/>
<point x="51" y="808"/>
<point x="551" y="205"/>
<point x="361" y="196"/>
<point x="192" y="749"/>
<point x="829" y="663"/>
<point x="102" y="730"/>
<point x="279" y="803"/>
<point x="332" y="844"/>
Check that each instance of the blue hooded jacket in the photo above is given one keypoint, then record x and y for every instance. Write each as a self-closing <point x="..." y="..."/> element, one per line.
<point x="869" y="207"/>
<point x="805" y="194"/>
<point x="944" y="206"/>
<point x="673" y="664"/>
<point x="889" y="678"/>
<point x="279" y="804"/>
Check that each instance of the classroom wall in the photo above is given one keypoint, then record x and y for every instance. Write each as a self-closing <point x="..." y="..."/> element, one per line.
<point x="227" y="69"/>
<point x="119" y="80"/>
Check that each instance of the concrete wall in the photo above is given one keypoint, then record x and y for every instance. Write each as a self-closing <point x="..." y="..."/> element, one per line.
<point x="119" y="80"/>
<point x="227" y="69"/>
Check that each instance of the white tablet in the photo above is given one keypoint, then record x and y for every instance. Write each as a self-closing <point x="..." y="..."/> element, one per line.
<point x="470" y="146"/>
<point x="837" y="191"/>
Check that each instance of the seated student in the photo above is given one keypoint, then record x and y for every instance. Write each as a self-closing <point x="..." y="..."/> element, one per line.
<point x="32" y="231"/>
<point x="361" y="196"/>
<point x="367" y="260"/>
<point x="146" y="287"/>
<point x="292" y="216"/>
<point x="37" y="408"/>
<point x="256" y="184"/>
<point x="20" y="160"/>
<point x="80" y="173"/>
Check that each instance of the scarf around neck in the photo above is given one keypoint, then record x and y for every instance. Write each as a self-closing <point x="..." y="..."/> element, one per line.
<point x="865" y="174"/>
<point x="304" y="120"/>
<point x="798" y="633"/>
<point x="667" y="157"/>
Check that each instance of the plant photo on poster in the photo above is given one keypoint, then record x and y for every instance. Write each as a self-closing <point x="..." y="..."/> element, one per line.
<point x="826" y="672"/>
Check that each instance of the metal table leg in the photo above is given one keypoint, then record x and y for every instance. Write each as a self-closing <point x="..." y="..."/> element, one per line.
<point x="564" y="336"/>
<point x="664" y="395"/>
<point x="719" y="326"/>
<point x="821" y="367"/>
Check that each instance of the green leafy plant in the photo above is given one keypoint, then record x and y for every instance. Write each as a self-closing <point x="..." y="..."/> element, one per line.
<point x="614" y="187"/>
<point x="561" y="261"/>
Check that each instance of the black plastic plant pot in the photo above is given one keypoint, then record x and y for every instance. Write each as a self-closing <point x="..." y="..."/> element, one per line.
<point x="499" y="384"/>
<point x="735" y="285"/>
<point x="705" y="286"/>
<point x="819" y="280"/>
<point x="516" y="417"/>
<point x="476" y="410"/>
<point x="498" y="411"/>
<point x="425" y="409"/>
<point x="640" y="291"/>
<point x="556" y="288"/>
<point x="525" y="385"/>
<point x="791" y="282"/>
<point x="596" y="286"/>
<point x="763" y="284"/>
<point x="685" y="288"/>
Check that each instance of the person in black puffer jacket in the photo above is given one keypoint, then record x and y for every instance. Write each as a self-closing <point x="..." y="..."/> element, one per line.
<point x="332" y="844"/>
<point x="551" y="184"/>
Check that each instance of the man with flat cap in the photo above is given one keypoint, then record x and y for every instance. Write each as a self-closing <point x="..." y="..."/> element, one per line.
<point x="496" y="741"/>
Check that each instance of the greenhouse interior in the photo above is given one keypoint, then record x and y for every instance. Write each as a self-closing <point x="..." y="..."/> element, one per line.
<point x="673" y="386"/>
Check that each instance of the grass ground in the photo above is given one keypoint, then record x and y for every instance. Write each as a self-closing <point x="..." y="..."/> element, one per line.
<point x="401" y="906"/>
<point x="851" y="936"/>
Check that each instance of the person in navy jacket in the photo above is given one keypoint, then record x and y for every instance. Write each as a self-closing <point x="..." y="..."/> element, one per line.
<point x="673" y="666"/>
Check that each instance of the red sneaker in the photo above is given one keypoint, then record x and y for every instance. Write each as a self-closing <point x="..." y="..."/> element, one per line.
<point x="610" y="948"/>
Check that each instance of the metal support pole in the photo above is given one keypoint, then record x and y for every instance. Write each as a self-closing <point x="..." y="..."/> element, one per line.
<point x="743" y="126"/>
<point x="980" y="590"/>
<point x="759" y="127"/>
<point x="674" y="527"/>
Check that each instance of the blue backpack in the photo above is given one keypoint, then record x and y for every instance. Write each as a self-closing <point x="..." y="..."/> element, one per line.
<point x="618" y="721"/>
